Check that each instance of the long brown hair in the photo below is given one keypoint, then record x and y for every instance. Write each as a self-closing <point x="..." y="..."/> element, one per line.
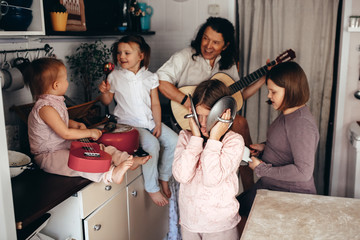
<point x="291" y="76"/>
<point x="41" y="73"/>
<point x="227" y="30"/>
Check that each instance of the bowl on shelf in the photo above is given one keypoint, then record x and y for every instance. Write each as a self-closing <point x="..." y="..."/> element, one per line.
<point x="16" y="18"/>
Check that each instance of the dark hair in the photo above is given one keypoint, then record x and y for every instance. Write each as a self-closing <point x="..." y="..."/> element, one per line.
<point x="291" y="76"/>
<point x="226" y="28"/>
<point x="209" y="92"/>
<point x="41" y="73"/>
<point x="139" y="40"/>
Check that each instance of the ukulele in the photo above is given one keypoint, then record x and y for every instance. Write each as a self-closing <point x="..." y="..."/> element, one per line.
<point x="179" y="111"/>
<point x="86" y="156"/>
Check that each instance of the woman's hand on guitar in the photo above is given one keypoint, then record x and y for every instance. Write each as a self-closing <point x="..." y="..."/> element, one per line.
<point x="256" y="149"/>
<point x="220" y="128"/>
<point x="104" y="87"/>
<point x="95" y="134"/>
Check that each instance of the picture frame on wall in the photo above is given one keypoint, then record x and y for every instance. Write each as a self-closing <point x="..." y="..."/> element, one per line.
<point x="76" y="15"/>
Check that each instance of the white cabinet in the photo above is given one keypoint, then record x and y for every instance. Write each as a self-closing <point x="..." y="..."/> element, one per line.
<point x="96" y="194"/>
<point x="147" y="220"/>
<point x="110" y="221"/>
<point x="116" y="211"/>
<point x="37" y="26"/>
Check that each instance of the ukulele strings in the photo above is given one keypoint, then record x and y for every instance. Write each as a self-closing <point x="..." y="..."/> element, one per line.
<point x="87" y="145"/>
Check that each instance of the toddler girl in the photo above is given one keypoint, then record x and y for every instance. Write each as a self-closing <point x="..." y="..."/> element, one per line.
<point x="135" y="90"/>
<point x="205" y="165"/>
<point x="51" y="131"/>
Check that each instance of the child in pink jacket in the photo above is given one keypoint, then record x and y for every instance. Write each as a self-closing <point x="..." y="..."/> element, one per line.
<point x="205" y="164"/>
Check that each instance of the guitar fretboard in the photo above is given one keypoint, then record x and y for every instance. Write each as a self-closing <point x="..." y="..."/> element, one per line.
<point x="247" y="80"/>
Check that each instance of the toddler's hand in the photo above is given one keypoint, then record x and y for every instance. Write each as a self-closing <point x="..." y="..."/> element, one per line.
<point x="95" y="134"/>
<point x="104" y="87"/>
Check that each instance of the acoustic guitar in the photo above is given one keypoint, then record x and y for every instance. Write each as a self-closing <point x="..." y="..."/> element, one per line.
<point x="179" y="111"/>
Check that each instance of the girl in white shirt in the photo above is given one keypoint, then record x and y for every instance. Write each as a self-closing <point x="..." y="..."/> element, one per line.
<point x="135" y="90"/>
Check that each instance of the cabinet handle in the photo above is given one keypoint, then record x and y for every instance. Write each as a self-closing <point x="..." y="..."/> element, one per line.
<point x="97" y="227"/>
<point x="134" y="193"/>
<point x="108" y="187"/>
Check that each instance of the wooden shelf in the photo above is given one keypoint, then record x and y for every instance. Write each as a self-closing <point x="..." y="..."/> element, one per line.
<point x="92" y="33"/>
<point x="354" y="29"/>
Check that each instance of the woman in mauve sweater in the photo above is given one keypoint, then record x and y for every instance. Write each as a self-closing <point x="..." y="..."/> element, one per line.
<point x="285" y="162"/>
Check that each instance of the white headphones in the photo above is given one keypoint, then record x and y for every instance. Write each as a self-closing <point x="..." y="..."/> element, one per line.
<point x="215" y="113"/>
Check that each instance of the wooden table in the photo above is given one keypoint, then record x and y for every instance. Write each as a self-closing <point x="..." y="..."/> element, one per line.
<point x="283" y="215"/>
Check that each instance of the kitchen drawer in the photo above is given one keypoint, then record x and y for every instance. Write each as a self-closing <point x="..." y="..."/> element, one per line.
<point x="95" y="195"/>
<point x="110" y="221"/>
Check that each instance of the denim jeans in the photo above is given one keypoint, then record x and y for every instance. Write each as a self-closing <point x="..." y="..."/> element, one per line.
<point x="158" y="167"/>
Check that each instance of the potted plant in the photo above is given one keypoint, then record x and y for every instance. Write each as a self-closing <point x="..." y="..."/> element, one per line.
<point x="87" y="63"/>
<point x="58" y="15"/>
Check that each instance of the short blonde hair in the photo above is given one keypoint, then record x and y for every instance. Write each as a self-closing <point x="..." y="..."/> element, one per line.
<point x="41" y="73"/>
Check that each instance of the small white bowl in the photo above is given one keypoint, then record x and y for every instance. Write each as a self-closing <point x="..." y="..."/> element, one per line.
<point x="18" y="162"/>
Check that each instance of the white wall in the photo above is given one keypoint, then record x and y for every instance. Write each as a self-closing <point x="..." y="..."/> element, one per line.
<point x="347" y="106"/>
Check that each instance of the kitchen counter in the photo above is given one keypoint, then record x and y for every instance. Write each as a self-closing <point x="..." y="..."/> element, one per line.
<point x="283" y="215"/>
<point x="35" y="192"/>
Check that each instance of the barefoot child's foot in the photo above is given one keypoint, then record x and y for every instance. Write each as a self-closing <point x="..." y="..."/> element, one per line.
<point x="139" y="161"/>
<point x="158" y="198"/>
<point x="165" y="188"/>
<point x="120" y="170"/>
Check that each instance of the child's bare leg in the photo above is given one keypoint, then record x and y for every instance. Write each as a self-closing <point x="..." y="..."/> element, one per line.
<point x="120" y="170"/>
<point x="158" y="198"/>
<point x="139" y="161"/>
<point x="165" y="188"/>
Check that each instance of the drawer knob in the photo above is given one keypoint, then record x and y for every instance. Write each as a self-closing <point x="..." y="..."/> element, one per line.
<point x="97" y="227"/>
<point x="134" y="193"/>
<point x="108" y="187"/>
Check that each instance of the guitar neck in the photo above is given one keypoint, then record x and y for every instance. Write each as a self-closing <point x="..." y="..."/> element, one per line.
<point x="252" y="77"/>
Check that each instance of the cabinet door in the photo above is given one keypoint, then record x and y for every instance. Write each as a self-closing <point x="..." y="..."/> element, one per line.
<point x="110" y="221"/>
<point x="96" y="194"/>
<point x="147" y="220"/>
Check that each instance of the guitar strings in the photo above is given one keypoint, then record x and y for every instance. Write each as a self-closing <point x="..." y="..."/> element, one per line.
<point x="87" y="145"/>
